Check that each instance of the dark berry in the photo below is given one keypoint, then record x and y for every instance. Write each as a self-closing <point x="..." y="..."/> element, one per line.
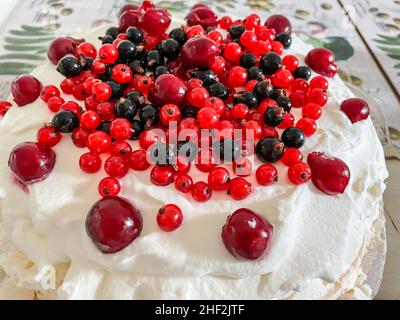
<point x="149" y="115"/>
<point x="135" y="35"/>
<point x="125" y="108"/>
<point x="207" y="76"/>
<point x="162" y="154"/>
<point x="136" y="97"/>
<point x="285" y="39"/>
<point x="218" y="90"/>
<point x="87" y="63"/>
<point x="187" y="149"/>
<point x="189" y="112"/>
<point x="270" y="149"/>
<point x="117" y="90"/>
<point x="104" y="127"/>
<point x="106" y="76"/>
<point x="228" y="149"/>
<point x="248" y="60"/>
<point x="107" y="39"/>
<point x="65" y="121"/>
<point x="179" y="35"/>
<point x="274" y="116"/>
<point x="69" y="67"/>
<point x="236" y="31"/>
<point x="246" y="97"/>
<point x="170" y="48"/>
<point x="293" y="137"/>
<point x="303" y="72"/>
<point x="137" y="67"/>
<point x="154" y="59"/>
<point x="113" y="32"/>
<point x="276" y="93"/>
<point x="270" y="63"/>
<point x="255" y="73"/>
<point x="127" y="51"/>
<point x="263" y="89"/>
<point x="285" y="103"/>
<point x="137" y="129"/>
<point x="160" y="70"/>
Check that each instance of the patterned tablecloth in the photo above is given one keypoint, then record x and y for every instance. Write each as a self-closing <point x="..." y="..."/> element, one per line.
<point x="363" y="34"/>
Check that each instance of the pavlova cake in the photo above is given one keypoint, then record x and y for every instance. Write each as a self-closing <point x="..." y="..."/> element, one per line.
<point x="211" y="159"/>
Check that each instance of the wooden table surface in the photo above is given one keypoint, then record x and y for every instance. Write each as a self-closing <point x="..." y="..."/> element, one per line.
<point x="363" y="34"/>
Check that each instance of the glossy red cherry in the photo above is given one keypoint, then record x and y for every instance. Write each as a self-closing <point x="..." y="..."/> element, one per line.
<point x="61" y="47"/>
<point x="129" y="18"/>
<point x="168" y="89"/>
<point x="247" y="235"/>
<point x="218" y="179"/>
<point x="113" y="223"/>
<point x="299" y="173"/>
<point x="330" y="175"/>
<point x="155" y="21"/>
<point x="279" y="23"/>
<point x="183" y="183"/>
<point x="48" y="136"/>
<point x="356" y="109"/>
<point x="31" y="162"/>
<point x="239" y="188"/>
<point x="90" y="162"/>
<point x="199" y="52"/>
<point x="162" y="175"/>
<point x="138" y="160"/>
<point x="169" y="217"/>
<point x="109" y="187"/>
<point x="322" y="61"/>
<point x="201" y="192"/>
<point x="266" y="174"/>
<point x="25" y="89"/>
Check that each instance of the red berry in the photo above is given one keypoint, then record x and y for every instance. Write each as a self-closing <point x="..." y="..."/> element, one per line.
<point x="298" y="98"/>
<point x="261" y="47"/>
<point x="237" y="77"/>
<point x="155" y="21"/>
<point x="291" y="156"/>
<point x="79" y="92"/>
<point x="299" y="173"/>
<point x="232" y="52"/>
<point x="102" y="91"/>
<point x="116" y="166"/>
<point x="4" y="107"/>
<point x="48" y="136"/>
<point x="253" y="130"/>
<point x="87" y="49"/>
<point x="269" y="132"/>
<point x="282" y="79"/>
<point x="80" y="137"/>
<point x="113" y="223"/>
<point x="162" y="175"/>
<point x="182" y="165"/>
<point x="312" y="110"/>
<point x="307" y="125"/>
<point x="225" y="22"/>
<point x="252" y="21"/>
<point x="277" y="47"/>
<point x="99" y="142"/>
<point x="194" y="83"/>
<point x="240" y="112"/>
<point x="248" y="39"/>
<point x="49" y="92"/>
<point x="54" y="103"/>
<point x="194" y="31"/>
<point x="290" y="62"/>
<point x="288" y="121"/>
<point x="199" y="52"/>
<point x="356" y="109"/>
<point x="25" y="89"/>
<point x="121" y="148"/>
<point x="205" y="161"/>
<point x="201" y="192"/>
<point x="138" y="160"/>
<point x="216" y="36"/>
<point x="319" y="82"/>
<point x="66" y="85"/>
<point x="208" y="118"/>
<point x="183" y="183"/>
<point x="266" y="174"/>
<point x="122" y="74"/>
<point x="105" y="111"/>
<point x="247" y="235"/>
<point x="90" y="162"/>
<point x="108" y="53"/>
<point x="73" y="107"/>
<point x="89" y="83"/>
<point x="317" y="96"/>
<point x="169" y="217"/>
<point x="329" y="174"/>
<point x="148" y="138"/>
<point x="279" y="23"/>
<point x="322" y="61"/>
<point x="242" y="167"/>
<point x="218" y="179"/>
<point x="98" y="67"/>
<point x="218" y="65"/>
<point x="250" y="85"/>
<point x="265" y="34"/>
<point x="168" y="89"/>
<point x="299" y="84"/>
<point x="89" y="120"/>
<point x="120" y="129"/>
<point x="109" y="187"/>
<point x="239" y="188"/>
<point x="198" y="97"/>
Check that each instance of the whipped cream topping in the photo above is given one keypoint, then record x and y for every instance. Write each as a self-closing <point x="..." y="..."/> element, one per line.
<point x="316" y="237"/>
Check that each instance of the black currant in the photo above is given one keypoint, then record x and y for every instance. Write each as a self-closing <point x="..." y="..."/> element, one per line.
<point x="113" y="32"/>
<point x="160" y="70"/>
<point x="270" y="150"/>
<point x="154" y="59"/>
<point x="107" y="39"/>
<point x="137" y="67"/>
<point x="228" y="149"/>
<point x="127" y="51"/>
<point x="303" y="72"/>
<point x="270" y="63"/>
<point x="246" y="97"/>
<point x="137" y="129"/>
<point x="189" y="112"/>
<point x="293" y="137"/>
<point x="285" y="39"/>
<point x="136" y="97"/>
<point x="277" y="92"/>
<point x="285" y="103"/>
<point x="125" y="108"/>
<point x="255" y="73"/>
<point x="218" y="90"/>
<point x="135" y="35"/>
<point x="263" y="89"/>
<point x="162" y="154"/>
<point x="149" y="115"/>
<point x="65" y="121"/>
<point x="170" y="48"/>
<point x="207" y="76"/>
<point x="274" y="116"/>
<point x="248" y="60"/>
<point x="179" y="35"/>
<point x="69" y="66"/>
<point x="104" y="127"/>
<point x="236" y="31"/>
<point x="117" y="90"/>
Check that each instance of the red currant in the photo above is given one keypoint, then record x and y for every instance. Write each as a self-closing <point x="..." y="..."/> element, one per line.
<point x="208" y="118"/>
<point x="98" y="67"/>
<point x="239" y="188"/>
<point x="225" y="22"/>
<point x="183" y="183"/>
<point x="66" y="85"/>
<point x="90" y="162"/>
<point x="288" y="121"/>
<point x="218" y="179"/>
<point x="79" y="92"/>
<point x="162" y="175"/>
<point x="73" y="107"/>
<point x="253" y="130"/>
<point x="144" y="84"/>
<point x="169" y="217"/>
<point x="237" y="77"/>
<point x="277" y="47"/>
<point x="198" y="97"/>
<point x="290" y="62"/>
<point x="138" y="160"/>
<point x="317" y="96"/>
<point x="242" y="167"/>
<point x="216" y="36"/>
<point x="99" y="142"/>
<point x="307" y="125"/>
<point x="108" y="53"/>
<point x="252" y="21"/>
<point x="109" y="187"/>
<point x="240" y="112"/>
<point x="91" y="103"/>
<point x="194" y="83"/>
<point x="319" y="82"/>
<point x="205" y="161"/>
<point x="282" y="79"/>
<point x="89" y="120"/>
<point x="121" y="73"/>
<point x="170" y="113"/>
<point x="87" y="49"/>
<point x="193" y="31"/>
<point x="291" y="156"/>
<point x="49" y="92"/>
<point x="312" y="110"/>
<point x="248" y="39"/>
<point x="80" y="137"/>
<point x="55" y="103"/>
<point x="299" y="173"/>
<point x="105" y="111"/>
<point x="120" y="129"/>
<point x="48" y="136"/>
<point x="148" y="138"/>
<point x="266" y="174"/>
<point x="201" y="192"/>
<point x="116" y="166"/>
<point x="298" y="98"/>
<point x="120" y="148"/>
<point x="218" y="65"/>
<point x="102" y="91"/>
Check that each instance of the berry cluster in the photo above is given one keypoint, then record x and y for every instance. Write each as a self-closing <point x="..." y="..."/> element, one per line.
<point x="212" y="75"/>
